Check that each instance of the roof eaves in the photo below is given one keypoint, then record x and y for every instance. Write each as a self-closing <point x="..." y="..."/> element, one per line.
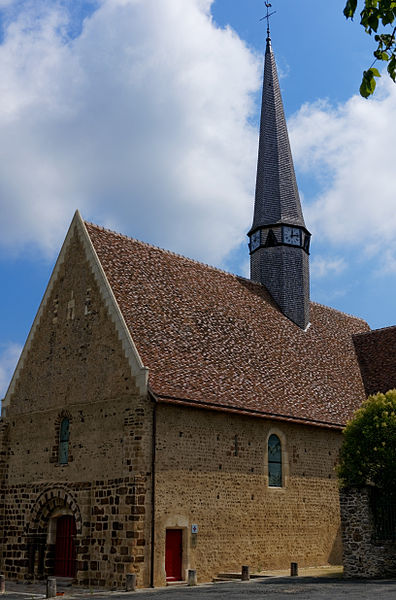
<point x="163" y="399"/>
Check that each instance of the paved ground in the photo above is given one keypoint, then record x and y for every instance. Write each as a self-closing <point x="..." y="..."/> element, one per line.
<point x="271" y="588"/>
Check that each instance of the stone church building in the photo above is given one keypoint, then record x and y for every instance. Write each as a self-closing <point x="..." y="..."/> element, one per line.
<point x="166" y="415"/>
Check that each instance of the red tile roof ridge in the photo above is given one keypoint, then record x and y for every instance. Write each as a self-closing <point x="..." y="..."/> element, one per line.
<point x="217" y="269"/>
<point x="175" y="254"/>
<point x="341" y="312"/>
<point x="374" y="331"/>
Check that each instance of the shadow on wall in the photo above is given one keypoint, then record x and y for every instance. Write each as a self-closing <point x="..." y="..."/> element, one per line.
<point x="335" y="557"/>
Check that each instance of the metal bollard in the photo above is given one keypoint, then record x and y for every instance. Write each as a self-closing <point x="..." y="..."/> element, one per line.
<point x="130" y="582"/>
<point x="245" y="573"/>
<point x="51" y="587"/>
<point x="2" y="584"/>
<point x="192" y="577"/>
<point x="293" y="569"/>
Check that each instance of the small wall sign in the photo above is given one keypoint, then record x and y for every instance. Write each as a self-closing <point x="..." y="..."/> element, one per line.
<point x="194" y="528"/>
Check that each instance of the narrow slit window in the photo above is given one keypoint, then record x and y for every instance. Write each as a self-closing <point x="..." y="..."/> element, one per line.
<point x="64" y="434"/>
<point x="274" y="461"/>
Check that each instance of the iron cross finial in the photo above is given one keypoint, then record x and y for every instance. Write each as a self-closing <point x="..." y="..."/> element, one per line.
<point x="267" y="16"/>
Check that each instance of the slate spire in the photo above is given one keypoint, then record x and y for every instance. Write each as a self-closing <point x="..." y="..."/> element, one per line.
<point x="277" y="199"/>
<point x="279" y="240"/>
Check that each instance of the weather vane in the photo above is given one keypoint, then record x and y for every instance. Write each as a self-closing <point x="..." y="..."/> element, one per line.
<point x="267" y="16"/>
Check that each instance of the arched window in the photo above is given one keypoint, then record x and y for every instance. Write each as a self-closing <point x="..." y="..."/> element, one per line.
<point x="274" y="461"/>
<point x="64" y="441"/>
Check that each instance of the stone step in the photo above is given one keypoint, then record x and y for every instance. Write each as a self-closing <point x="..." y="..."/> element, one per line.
<point x="64" y="581"/>
<point x="234" y="576"/>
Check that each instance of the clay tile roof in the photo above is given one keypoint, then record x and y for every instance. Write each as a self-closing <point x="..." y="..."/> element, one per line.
<point x="376" y="351"/>
<point x="213" y="339"/>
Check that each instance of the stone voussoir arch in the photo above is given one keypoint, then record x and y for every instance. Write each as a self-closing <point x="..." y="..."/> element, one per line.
<point x="48" y="501"/>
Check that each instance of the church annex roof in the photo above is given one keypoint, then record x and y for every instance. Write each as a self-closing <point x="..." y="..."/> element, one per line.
<point x="376" y="351"/>
<point x="217" y="340"/>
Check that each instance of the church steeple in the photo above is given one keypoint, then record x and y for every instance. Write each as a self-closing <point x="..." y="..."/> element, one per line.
<point x="279" y="240"/>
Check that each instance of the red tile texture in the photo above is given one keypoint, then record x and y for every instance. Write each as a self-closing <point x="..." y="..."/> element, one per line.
<point x="216" y="339"/>
<point x="376" y="351"/>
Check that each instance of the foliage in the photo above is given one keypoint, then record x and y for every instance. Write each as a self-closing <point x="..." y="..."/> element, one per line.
<point x="368" y="452"/>
<point x="375" y="14"/>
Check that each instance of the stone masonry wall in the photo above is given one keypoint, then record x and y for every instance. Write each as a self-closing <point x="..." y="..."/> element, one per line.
<point x="76" y="367"/>
<point x="3" y="479"/>
<point x="122" y="495"/>
<point x="363" y="556"/>
<point x="109" y="541"/>
<point x="211" y="470"/>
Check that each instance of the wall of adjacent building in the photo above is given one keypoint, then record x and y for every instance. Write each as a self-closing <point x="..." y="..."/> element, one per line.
<point x="207" y="476"/>
<point x="365" y="552"/>
<point x="76" y="367"/>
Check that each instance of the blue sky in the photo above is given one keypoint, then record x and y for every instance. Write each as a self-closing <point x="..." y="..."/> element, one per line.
<point x="144" y="115"/>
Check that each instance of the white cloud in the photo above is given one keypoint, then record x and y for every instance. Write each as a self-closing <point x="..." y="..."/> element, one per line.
<point x="141" y="121"/>
<point x="322" y="266"/>
<point x="9" y="355"/>
<point x="350" y="150"/>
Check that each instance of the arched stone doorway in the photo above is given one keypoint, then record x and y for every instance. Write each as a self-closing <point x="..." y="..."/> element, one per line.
<point x="52" y="535"/>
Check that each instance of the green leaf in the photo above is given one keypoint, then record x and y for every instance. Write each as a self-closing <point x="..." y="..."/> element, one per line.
<point x="365" y="89"/>
<point x="381" y="55"/>
<point x="372" y="22"/>
<point x="350" y="8"/>
<point x="392" y="68"/>
<point x="368" y="84"/>
<point x="375" y="72"/>
<point x="386" y="19"/>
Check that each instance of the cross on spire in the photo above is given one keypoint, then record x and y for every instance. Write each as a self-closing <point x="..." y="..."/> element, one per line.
<point x="267" y="16"/>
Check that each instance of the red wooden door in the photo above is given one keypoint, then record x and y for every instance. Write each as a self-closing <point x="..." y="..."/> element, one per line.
<point x="173" y="554"/>
<point x="65" y="553"/>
